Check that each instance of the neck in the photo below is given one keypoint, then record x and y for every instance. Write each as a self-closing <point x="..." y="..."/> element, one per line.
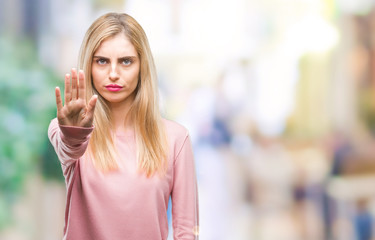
<point x="121" y="118"/>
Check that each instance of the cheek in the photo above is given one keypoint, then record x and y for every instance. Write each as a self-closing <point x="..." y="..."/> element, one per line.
<point x="135" y="77"/>
<point x="96" y="84"/>
<point x="94" y="81"/>
<point x="135" y="74"/>
<point x="95" y="75"/>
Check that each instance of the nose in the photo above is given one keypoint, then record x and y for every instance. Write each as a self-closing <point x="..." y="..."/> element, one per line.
<point x="113" y="75"/>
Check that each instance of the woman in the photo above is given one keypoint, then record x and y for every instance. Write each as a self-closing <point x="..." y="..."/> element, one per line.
<point x="120" y="159"/>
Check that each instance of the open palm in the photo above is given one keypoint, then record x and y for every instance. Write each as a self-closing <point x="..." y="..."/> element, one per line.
<point x="75" y="111"/>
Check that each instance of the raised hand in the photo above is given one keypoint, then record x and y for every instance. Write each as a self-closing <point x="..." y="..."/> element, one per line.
<point x="75" y="111"/>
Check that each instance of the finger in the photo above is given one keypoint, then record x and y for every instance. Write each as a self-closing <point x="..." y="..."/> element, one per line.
<point x="58" y="99"/>
<point x="91" y="107"/>
<point x="67" y="90"/>
<point x="74" y="84"/>
<point x="81" y="85"/>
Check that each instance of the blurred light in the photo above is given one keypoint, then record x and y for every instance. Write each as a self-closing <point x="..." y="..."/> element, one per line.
<point x="241" y="144"/>
<point x="275" y="91"/>
<point x="312" y="34"/>
<point x="357" y="6"/>
<point x="234" y="85"/>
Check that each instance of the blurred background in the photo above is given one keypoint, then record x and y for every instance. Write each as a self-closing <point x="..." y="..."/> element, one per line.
<point x="278" y="95"/>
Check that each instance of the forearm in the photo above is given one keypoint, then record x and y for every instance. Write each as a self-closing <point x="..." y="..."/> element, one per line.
<point x="70" y="143"/>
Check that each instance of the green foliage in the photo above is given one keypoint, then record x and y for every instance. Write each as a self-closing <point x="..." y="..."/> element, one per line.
<point x="26" y="107"/>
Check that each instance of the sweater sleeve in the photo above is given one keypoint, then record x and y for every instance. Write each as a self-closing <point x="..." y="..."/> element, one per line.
<point x="70" y="143"/>
<point x="185" y="207"/>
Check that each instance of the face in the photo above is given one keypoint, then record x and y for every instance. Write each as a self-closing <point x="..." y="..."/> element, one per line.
<point x="115" y="70"/>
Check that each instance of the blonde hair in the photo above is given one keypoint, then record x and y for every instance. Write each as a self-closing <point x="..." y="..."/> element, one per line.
<point x="149" y="132"/>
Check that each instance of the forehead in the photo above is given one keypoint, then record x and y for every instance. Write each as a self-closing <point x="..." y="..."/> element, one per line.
<point x="117" y="45"/>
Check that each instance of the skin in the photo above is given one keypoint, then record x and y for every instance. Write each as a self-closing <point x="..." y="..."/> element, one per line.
<point x="75" y="111"/>
<point x="116" y="61"/>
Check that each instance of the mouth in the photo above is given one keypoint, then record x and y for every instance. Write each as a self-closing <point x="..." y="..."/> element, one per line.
<point x="113" y="87"/>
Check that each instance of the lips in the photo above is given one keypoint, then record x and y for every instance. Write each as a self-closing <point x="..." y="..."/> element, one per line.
<point x="113" y="87"/>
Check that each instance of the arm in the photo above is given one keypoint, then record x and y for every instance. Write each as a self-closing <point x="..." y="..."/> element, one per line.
<point x="69" y="133"/>
<point x="70" y="143"/>
<point x="185" y="207"/>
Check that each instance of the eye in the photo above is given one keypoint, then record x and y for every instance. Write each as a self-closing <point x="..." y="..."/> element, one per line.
<point x="101" y="61"/>
<point x="126" y="61"/>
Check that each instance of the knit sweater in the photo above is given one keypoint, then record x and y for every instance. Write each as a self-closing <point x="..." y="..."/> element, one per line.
<point x="125" y="204"/>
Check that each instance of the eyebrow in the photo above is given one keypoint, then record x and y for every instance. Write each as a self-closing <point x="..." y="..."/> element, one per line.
<point x="125" y="57"/>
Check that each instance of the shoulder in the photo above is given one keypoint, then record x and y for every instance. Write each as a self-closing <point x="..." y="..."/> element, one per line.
<point x="176" y="133"/>
<point x="174" y="128"/>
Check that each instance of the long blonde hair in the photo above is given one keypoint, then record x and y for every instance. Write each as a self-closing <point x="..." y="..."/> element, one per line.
<point x="149" y="132"/>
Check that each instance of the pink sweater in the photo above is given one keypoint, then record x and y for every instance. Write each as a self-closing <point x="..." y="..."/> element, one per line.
<point x="126" y="205"/>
